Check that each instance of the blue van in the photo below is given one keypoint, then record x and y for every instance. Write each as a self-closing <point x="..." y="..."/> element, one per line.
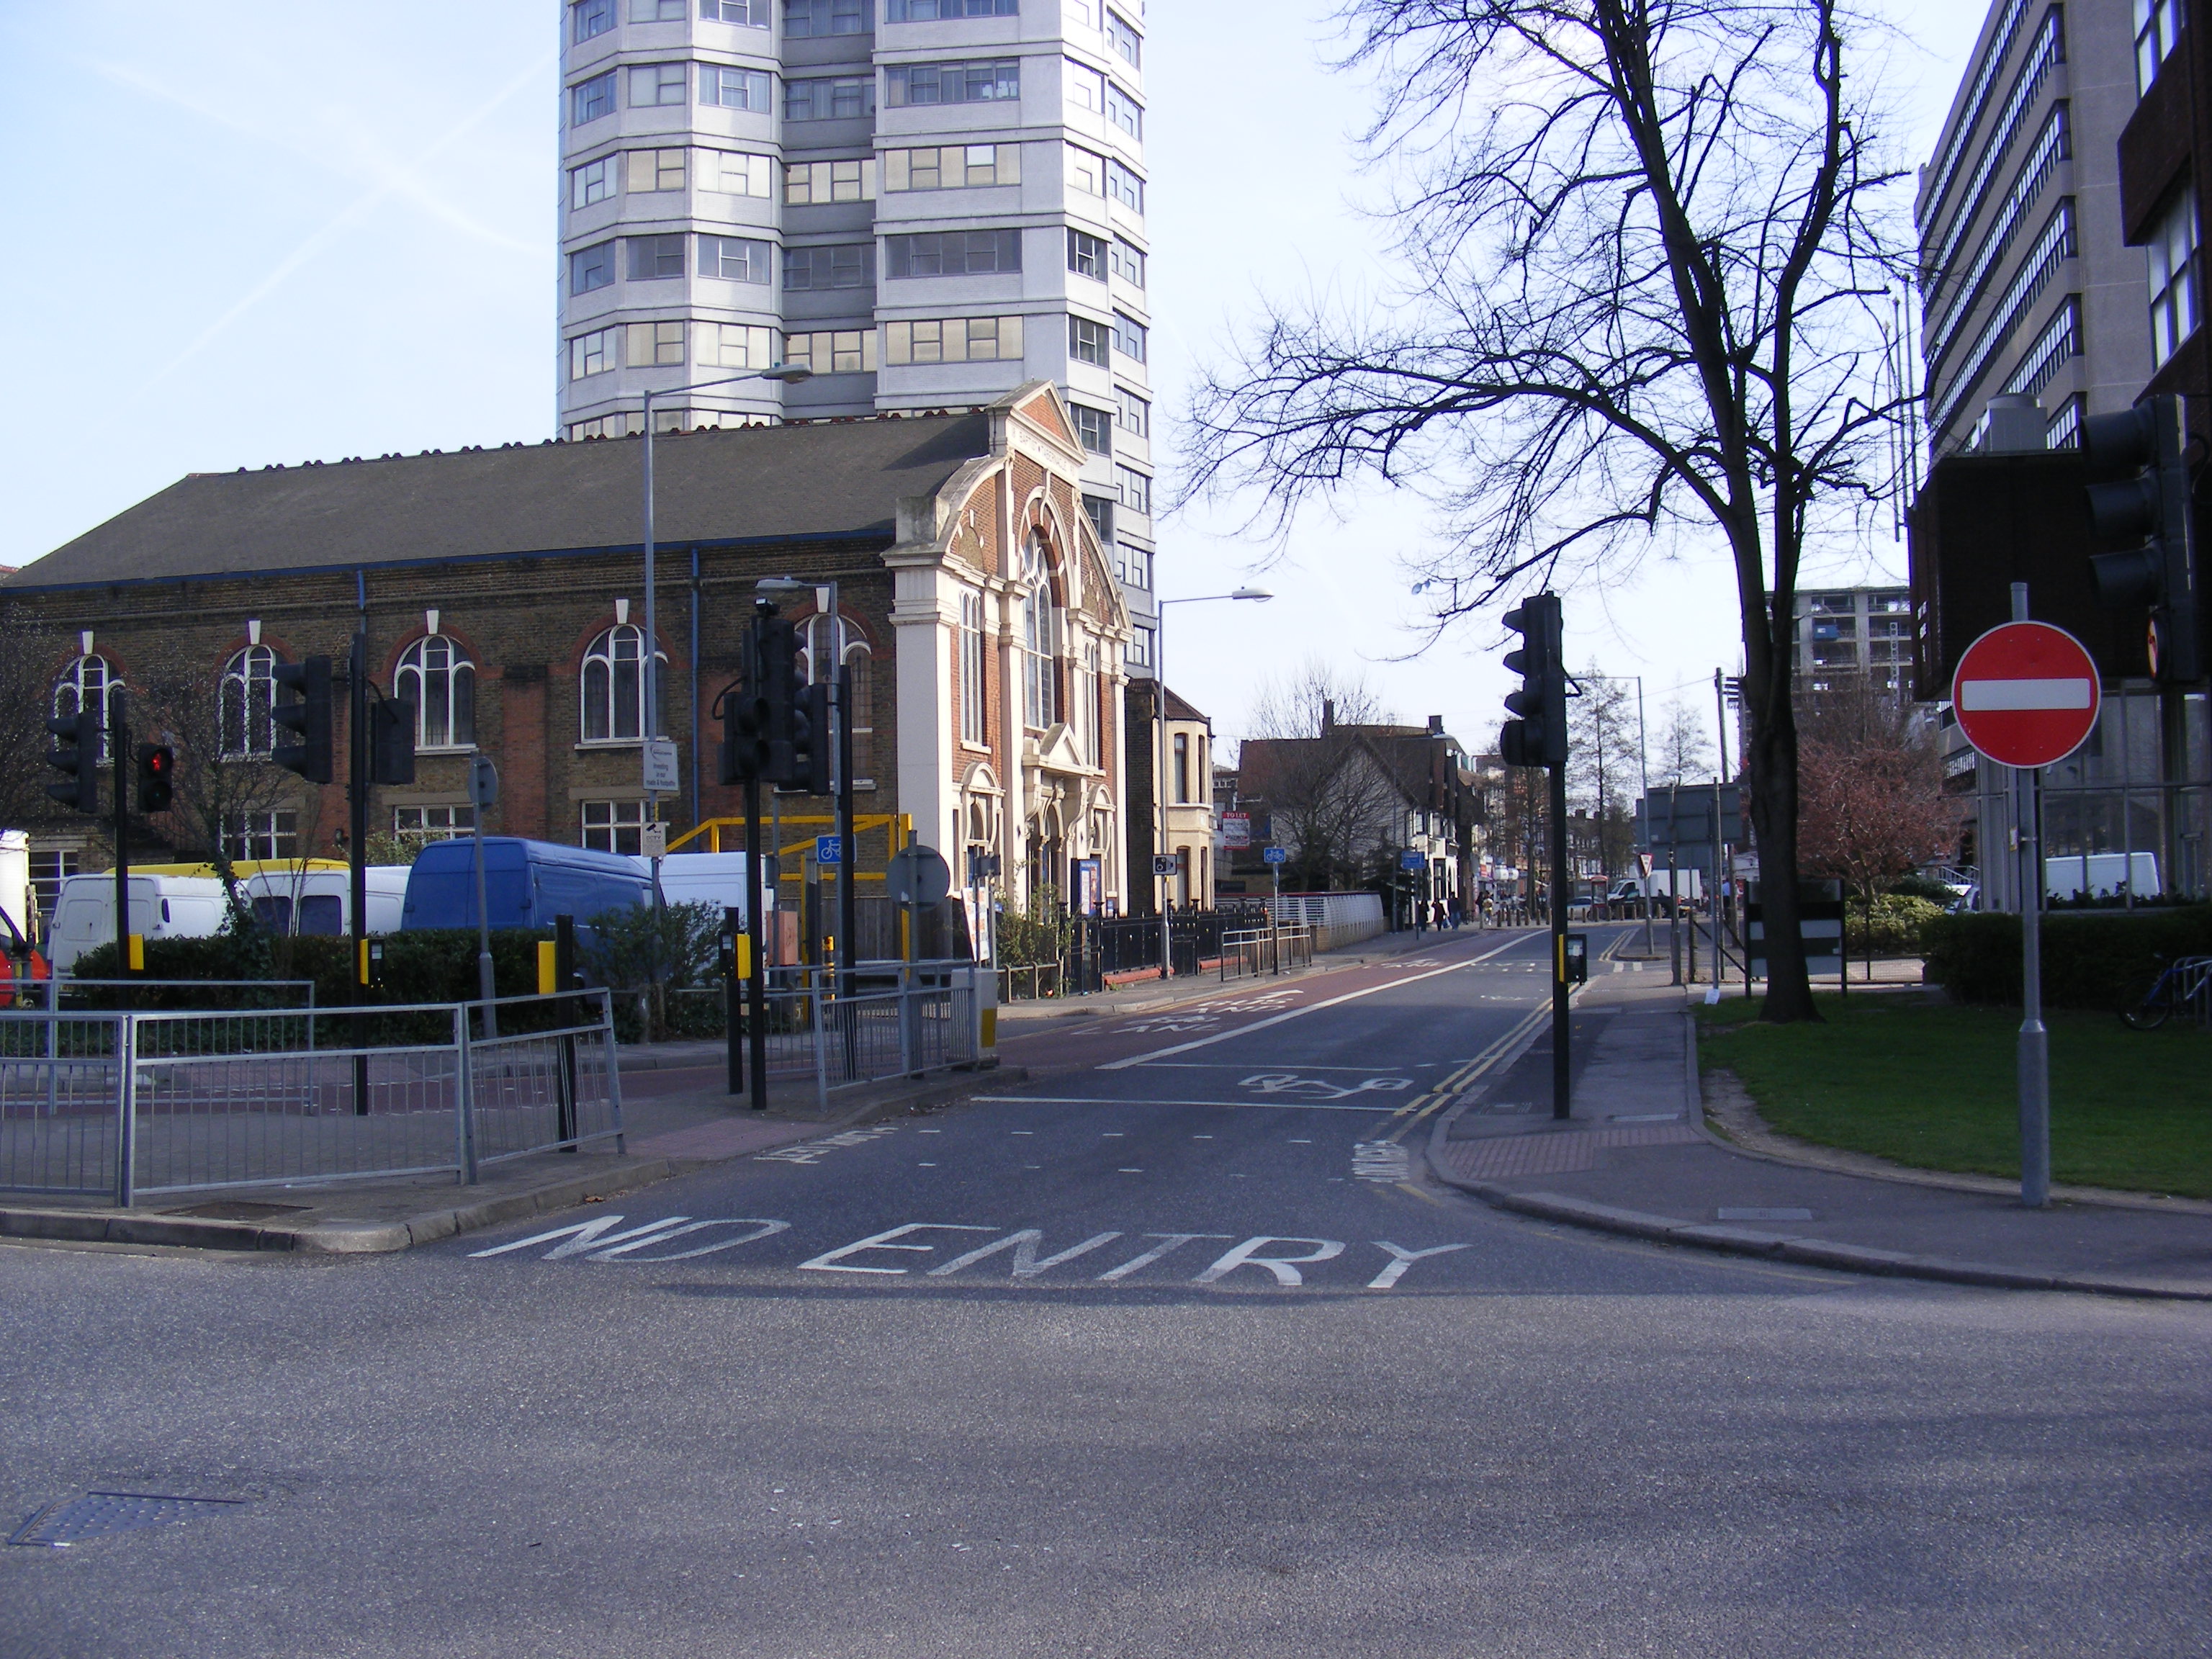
<point x="527" y="883"/>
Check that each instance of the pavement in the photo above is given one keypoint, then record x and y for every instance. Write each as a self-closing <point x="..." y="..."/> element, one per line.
<point x="1647" y="1155"/>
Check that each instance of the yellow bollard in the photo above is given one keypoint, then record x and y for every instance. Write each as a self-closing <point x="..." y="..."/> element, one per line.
<point x="545" y="972"/>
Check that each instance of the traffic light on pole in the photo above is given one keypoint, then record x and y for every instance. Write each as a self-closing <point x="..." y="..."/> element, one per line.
<point x="2144" y="517"/>
<point x="810" y="740"/>
<point x="157" y="766"/>
<point x="392" y="740"/>
<point x="78" y="757"/>
<point x="747" y="716"/>
<point x="309" y="716"/>
<point x="780" y="688"/>
<point x="1538" y="736"/>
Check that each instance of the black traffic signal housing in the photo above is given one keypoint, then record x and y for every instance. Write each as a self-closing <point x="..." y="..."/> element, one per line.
<point x="157" y="771"/>
<point x="392" y="740"/>
<point x="2143" y="515"/>
<point x="309" y="716"/>
<point x="811" y="740"/>
<point x="780" y="687"/>
<point x="746" y="709"/>
<point x="1538" y="736"/>
<point x="78" y="757"/>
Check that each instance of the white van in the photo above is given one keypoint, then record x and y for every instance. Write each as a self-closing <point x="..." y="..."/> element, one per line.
<point x="321" y="901"/>
<point x="161" y="907"/>
<point x="716" y="878"/>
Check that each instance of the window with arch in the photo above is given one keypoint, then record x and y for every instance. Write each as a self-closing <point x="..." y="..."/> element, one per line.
<point x="249" y="687"/>
<point x="971" y="668"/>
<point x="437" y="675"/>
<point x="613" y="685"/>
<point x="861" y="659"/>
<point x="90" y="681"/>
<point x="1040" y="638"/>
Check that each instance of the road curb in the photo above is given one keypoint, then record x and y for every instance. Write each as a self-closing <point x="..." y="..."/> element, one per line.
<point x="338" y="1237"/>
<point x="1784" y="1247"/>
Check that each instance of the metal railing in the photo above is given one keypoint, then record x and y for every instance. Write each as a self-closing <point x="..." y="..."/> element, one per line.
<point x="1250" y="951"/>
<point x="127" y="1103"/>
<point x="61" y="990"/>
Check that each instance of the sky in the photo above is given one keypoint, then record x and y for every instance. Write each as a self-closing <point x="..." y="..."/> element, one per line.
<point x="324" y="231"/>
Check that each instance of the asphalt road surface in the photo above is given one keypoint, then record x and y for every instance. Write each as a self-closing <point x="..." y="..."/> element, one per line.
<point x="1166" y="1351"/>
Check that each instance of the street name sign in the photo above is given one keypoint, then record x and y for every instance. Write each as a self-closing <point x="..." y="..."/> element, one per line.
<point x="2026" y="694"/>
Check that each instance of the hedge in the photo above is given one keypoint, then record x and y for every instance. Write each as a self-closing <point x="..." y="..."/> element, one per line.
<point x="2103" y="960"/>
<point x="431" y="964"/>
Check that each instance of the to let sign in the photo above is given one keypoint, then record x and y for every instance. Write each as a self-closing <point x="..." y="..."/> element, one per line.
<point x="2026" y="694"/>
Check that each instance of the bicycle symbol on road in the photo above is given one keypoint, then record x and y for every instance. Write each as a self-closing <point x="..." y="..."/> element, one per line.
<point x="1189" y="1022"/>
<point x="1315" y="1088"/>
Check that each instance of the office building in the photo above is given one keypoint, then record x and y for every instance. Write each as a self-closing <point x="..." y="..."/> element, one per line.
<point x="2032" y="306"/>
<point x="926" y="202"/>
<point x="1855" y="635"/>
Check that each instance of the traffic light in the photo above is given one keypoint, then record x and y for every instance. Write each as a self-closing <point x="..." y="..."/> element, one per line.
<point x="745" y="714"/>
<point x="2144" y="517"/>
<point x="1539" y="736"/>
<point x="310" y="716"/>
<point x="778" y="684"/>
<point x="78" y="757"/>
<point x="391" y="741"/>
<point x="157" y="767"/>
<point x="810" y="740"/>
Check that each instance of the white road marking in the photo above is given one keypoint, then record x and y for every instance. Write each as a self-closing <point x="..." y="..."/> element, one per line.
<point x="1286" y="1082"/>
<point x="1401" y="1259"/>
<point x="1168" y="1241"/>
<point x="1284" y="1268"/>
<point x="1382" y="1160"/>
<point x="1023" y="1245"/>
<point x="832" y="1261"/>
<point x="811" y="1151"/>
<point x="1310" y="1008"/>
<point x="583" y="1236"/>
<point x="1149" y="1100"/>
<point x="761" y="1229"/>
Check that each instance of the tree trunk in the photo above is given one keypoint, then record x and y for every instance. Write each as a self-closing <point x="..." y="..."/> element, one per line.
<point x="1772" y="780"/>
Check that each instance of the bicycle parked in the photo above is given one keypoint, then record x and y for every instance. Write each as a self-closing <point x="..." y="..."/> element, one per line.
<point x="2183" y="982"/>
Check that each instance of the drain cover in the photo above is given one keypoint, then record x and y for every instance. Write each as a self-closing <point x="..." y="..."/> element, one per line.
<point x="234" y="1209"/>
<point x="98" y="1513"/>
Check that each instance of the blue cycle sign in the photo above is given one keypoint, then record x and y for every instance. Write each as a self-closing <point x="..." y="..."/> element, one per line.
<point x="1275" y="855"/>
<point x="829" y="849"/>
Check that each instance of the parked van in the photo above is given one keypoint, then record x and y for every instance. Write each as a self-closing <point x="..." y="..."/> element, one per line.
<point x="321" y="901"/>
<point x="1689" y="885"/>
<point x="716" y="878"/>
<point x="2103" y="875"/>
<point x="161" y="907"/>
<point x="527" y="883"/>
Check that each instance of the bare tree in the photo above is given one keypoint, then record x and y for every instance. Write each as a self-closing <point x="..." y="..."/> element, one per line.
<point x="1682" y="754"/>
<point x="1331" y="802"/>
<point x="1647" y="267"/>
<point x="224" y="777"/>
<point x="1873" y="801"/>
<point x="1605" y="761"/>
<point x="27" y="691"/>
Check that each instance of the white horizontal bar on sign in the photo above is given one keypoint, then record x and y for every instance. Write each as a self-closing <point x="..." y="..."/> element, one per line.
<point x="1999" y="696"/>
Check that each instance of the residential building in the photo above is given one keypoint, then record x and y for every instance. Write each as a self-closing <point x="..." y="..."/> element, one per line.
<point x="927" y="203"/>
<point x="502" y="591"/>
<point x="2028" y="292"/>
<point x="1860" y="635"/>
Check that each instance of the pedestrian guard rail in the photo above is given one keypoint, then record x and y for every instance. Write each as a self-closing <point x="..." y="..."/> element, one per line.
<point x="1249" y="953"/>
<point x="1335" y="918"/>
<point x="125" y="1105"/>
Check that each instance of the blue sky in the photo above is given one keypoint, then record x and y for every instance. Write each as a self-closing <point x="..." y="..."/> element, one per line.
<point x="267" y="232"/>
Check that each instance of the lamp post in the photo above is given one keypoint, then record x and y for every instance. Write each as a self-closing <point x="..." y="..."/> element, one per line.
<point x="790" y="376"/>
<point x="1160" y="776"/>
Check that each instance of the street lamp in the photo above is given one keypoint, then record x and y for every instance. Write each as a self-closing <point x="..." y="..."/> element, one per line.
<point x="790" y="375"/>
<point x="1160" y="776"/>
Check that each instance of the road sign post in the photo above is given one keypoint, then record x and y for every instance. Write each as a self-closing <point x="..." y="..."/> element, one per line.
<point x="2027" y="696"/>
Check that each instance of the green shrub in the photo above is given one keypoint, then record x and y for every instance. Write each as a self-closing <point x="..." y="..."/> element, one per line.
<point x="1891" y="928"/>
<point x="437" y="964"/>
<point x="1926" y="887"/>
<point x="2096" y="959"/>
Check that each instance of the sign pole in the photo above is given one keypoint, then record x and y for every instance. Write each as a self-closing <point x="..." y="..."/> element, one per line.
<point x="1562" y="1072"/>
<point x="2034" y="1062"/>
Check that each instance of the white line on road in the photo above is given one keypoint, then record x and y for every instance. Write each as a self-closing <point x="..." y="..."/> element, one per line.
<point x="1310" y="1008"/>
<point x="1240" y="1105"/>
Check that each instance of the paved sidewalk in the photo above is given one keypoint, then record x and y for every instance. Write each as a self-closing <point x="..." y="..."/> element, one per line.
<point x="668" y="1132"/>
<point x="1639" y="1156"/>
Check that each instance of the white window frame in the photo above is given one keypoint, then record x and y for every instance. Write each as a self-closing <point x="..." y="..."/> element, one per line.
<point x="601" y="688"/>
<point x="90" y="675"/>
<point x="442" y="679"/>
<point x="973" y="728"/>
<point x="612" y="826"/>
<point x="593" y="183"/>
<point x="248" y="692"/>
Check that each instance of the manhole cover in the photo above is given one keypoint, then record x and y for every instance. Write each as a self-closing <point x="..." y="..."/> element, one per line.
<point x="234" y="1209"/>
<point x="98" y="1513"/>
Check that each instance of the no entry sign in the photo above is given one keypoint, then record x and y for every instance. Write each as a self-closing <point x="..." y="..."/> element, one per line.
<point x="2026" y="694"/>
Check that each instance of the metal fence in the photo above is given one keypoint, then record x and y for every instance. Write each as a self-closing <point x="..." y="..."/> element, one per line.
<point x="1252" y="951"/>
<point x="126" y="1104"/>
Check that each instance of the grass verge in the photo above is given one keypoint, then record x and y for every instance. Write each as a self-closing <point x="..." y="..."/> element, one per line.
<point x="1934" y="1086"/>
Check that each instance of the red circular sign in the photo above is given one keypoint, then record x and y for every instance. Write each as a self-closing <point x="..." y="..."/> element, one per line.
<point x="2026" y="694"/>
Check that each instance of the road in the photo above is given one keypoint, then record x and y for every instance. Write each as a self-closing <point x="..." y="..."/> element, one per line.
<point x="1168" y="1351"/>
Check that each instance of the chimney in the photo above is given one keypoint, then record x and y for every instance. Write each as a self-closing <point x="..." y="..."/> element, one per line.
<point x="2012" y="425"/>
<point x="1328" y="713"/>
<point x="1435" y="726"/>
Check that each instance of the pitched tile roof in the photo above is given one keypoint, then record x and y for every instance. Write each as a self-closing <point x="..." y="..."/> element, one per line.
<point x="811" y="480"/>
